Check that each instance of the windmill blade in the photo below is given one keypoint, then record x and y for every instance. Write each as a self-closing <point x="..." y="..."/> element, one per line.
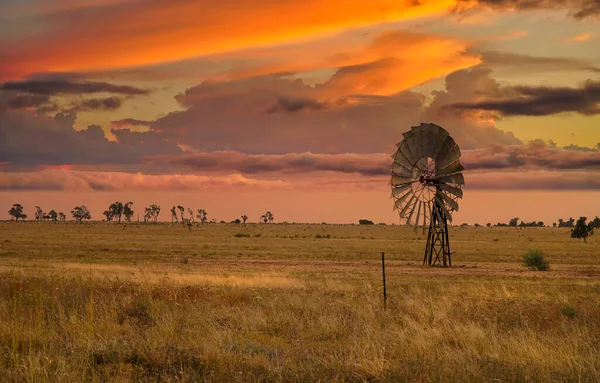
<point x="399" y="189"/>
<point x="450" y="152"/>
<point x="440" y="138"/>
<point x="407" y="152"/>
<point x="415" y="144"/>
<point x="405" y="208"/>
<point x="454" y="167"/>
<point x="401" y="199"/>
<point x="421" y="164"/>
<point x="452" y="190"/>
<point x="400" y="179"/>
<point x="418" y="216"/>
<point x="401" y="159"/>
<point x="452" y="203"/>
<point x="457" y="179"/>
<point x="401" y="170"/>
<point x="412" y="212"/>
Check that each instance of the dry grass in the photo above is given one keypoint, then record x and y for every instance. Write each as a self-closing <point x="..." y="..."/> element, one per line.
<point x="299" y="308"/>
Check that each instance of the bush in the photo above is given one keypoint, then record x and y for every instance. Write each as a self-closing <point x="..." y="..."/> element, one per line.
<point x="242" y="235"/>
<point x="534" y="260"/>
<point x="365" y="222"/>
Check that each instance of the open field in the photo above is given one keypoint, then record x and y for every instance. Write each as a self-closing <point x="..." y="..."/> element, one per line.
<point x="293" y="303"/>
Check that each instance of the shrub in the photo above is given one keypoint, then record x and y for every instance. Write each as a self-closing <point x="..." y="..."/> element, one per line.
<point x="365" y="222"/>
<point x="241" y="235"/>
<point x="568" y="311"/>
<point x="534" y="260"/>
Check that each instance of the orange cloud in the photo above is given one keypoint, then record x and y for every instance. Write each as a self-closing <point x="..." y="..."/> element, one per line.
<point x="394" y="61"/>
<point x="145" y="32"/>
<point x="577" y="39"/>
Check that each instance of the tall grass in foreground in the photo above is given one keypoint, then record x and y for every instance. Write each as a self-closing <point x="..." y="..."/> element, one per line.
<point x="55" y="328"/>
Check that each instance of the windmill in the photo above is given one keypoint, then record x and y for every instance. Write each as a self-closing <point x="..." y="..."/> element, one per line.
<point x="426" y="185"/>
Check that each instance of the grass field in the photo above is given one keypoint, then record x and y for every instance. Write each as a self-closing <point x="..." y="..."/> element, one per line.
<point x="223" y="302"/>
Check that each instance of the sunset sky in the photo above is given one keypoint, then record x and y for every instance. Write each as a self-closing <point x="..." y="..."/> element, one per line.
<point x="295" y="106"/>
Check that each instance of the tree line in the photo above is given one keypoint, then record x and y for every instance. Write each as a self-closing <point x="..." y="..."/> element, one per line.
<point x="119" y="211"/>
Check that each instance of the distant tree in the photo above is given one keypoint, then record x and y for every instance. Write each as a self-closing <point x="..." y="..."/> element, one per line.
<point x="16" y="211"/>
<point x="108" y="214"/>
<point x="595" y="223"/>
<point x="80" y="213"/>
<point x="173" y="215"/>
<point x="513" y="222"/>
<point x="181" y="210"/>
<point x="477" y="225"/>
<point x="267" y="217"/>
<point x="365" y="222"/>
<point x="236" y="221"/>
<point x="147" y="214"/>
<point x="117" y="210"/>
<point x="191" y="214"/>
<point x="53" y="215"/>
<point x="39" y="213"/>
<point x="62" y="217"/>
<point x="488" y="224"/>
<point x="569" y="223"/>
<point x="553" y="224"/>
<point x="202" y="215"/>
<point x="582" y="230"/>
<point x="128" y="211"/>
<point x="154" y="211"/>
<point x="244" y="218"/>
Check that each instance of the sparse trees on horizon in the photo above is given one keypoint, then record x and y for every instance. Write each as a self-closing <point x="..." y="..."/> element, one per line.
<point x="53" y="215"/>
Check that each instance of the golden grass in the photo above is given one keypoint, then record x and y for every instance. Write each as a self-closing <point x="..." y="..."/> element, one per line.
<point x="164" y="307"/>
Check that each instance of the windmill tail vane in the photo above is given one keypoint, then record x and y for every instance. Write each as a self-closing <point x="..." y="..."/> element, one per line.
<point x="426" y="181"/>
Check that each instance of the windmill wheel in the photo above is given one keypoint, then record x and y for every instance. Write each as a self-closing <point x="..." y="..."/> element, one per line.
<point x="426" y="176"/>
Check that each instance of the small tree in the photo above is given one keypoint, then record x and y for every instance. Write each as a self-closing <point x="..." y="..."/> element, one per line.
<point x="39" y="213"/>
<point x="191" y="214"/>
<point x="147" y="214"/>
<point x="117" y="210"/>
<point x="80" y="213"/>
<point x="154" y="211"/>
<point x="62" y="217"/>
<point x="108" y="214"/>
<point x="181" y="210"/>
<point x="128" y="211"/>
<point x="173" y="215"/>
<point x="16" y="211"/>
<point x="513" y="222"/>
<point x="53" y="215"/>
<point x="267" y="217"/>
<point x="202" y="215"/>
<point x="595" y="223"/>
<point x="582" y="230"/>
<point x="244" y="218"/>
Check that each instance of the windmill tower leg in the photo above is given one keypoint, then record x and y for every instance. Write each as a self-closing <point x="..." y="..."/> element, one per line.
<point x="438" y="242"/>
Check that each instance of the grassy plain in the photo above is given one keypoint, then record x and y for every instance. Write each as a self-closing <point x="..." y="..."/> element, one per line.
<point x="97" y="302"/>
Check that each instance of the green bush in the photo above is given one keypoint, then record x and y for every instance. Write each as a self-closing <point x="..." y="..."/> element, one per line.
<point x="534" y="260"/>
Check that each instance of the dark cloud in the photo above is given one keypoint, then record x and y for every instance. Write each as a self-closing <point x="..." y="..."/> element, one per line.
<point x="66" y="86"/>
<point x="525" y="63"/>
<point x="120" y="124"/>
<point x="578" y="9"/>
<point x="109" y="103"/>
<point x="536" y="155"/>
<point x="286" y="105"/>
<point x="364" y="164"/>
<point x="540" y="101"/>
<point x="28" y="139"/>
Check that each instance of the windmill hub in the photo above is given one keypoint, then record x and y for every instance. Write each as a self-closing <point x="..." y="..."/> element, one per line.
<point x="426" y="185"/>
